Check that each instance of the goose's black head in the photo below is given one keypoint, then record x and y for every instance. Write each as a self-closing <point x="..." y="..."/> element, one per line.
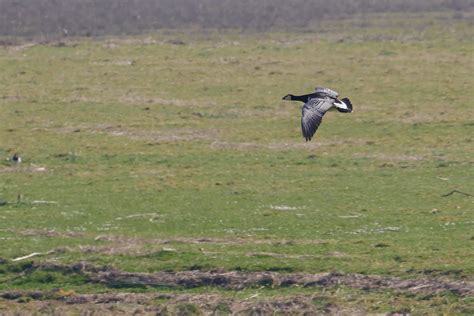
<point x="288" y="97"/>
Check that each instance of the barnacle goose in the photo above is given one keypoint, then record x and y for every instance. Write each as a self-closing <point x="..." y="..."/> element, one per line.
<point x="316" y="104"/>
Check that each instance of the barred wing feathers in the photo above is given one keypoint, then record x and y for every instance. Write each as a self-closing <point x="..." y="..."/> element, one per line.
<point x="312" y="115"/>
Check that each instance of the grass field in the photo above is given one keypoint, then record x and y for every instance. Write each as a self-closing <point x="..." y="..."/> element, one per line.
<point x="174" y="152"/>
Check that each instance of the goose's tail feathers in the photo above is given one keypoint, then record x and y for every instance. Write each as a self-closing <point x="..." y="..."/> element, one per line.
<point x="348" y="103"/>
<point x="344" y="106"/>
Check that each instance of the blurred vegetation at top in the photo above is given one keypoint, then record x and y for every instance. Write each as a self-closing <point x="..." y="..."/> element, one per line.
<point x="53" y="19"/>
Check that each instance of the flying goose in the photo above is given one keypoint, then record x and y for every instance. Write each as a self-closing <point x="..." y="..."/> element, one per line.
<point x="316" y="104"/>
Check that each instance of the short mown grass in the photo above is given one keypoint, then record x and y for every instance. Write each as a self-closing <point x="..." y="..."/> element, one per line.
<point x="132" y="141"/>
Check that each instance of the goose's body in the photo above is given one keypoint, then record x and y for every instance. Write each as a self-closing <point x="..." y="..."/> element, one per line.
<point x="316" y="105"/>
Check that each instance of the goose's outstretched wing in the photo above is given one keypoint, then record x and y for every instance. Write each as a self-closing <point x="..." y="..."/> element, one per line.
<point x="326" y="91"/>
<point x="312" y="115"/>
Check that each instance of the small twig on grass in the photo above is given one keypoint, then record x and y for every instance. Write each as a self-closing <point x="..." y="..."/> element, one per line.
<point x="419" y="287"/>
<point x="43" y="202"/>
<point x="252" y="296"/>
<point x="350" y="216"/>
<point x="151" y="215"/>
<point x="33" y="255"/>
<point x="456" y="191"/>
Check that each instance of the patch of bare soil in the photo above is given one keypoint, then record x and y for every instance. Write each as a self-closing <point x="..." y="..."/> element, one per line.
<point x="207" y="240"/>
<point x="167" y="136"/>
<point x="389" y="157"/>
<point x="137" y="99"/>
<point x="23" y="169"/>
<point x="45" y="233"/>
<point x="237" y="280"/>
<point x="281" y="145"/>
<point x="59" y="303"/>
<point x="114" y="245"/>
<point x="16" y="48"/>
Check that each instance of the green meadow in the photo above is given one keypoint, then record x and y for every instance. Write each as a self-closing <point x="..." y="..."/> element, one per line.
<point x="174" y="152"/>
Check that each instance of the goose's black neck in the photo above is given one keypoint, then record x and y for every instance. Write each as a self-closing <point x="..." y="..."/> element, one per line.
<point x="303" y="98"/>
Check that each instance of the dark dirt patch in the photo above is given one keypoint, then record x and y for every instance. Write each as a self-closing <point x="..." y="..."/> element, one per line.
<point x="168" y="304"/>
<point x="23" y="169"/>
<point x="58" y="301"/>
<point x="82" y="268"/>
<point x="237" y="280"/>
<point x="118" y="245"/>
<point x="168" y="136"/>
<point x="45" y="233"/>
<point x="136" y="241"/>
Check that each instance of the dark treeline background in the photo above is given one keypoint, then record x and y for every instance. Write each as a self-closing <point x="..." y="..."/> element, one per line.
<point x="30" y="18"/>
